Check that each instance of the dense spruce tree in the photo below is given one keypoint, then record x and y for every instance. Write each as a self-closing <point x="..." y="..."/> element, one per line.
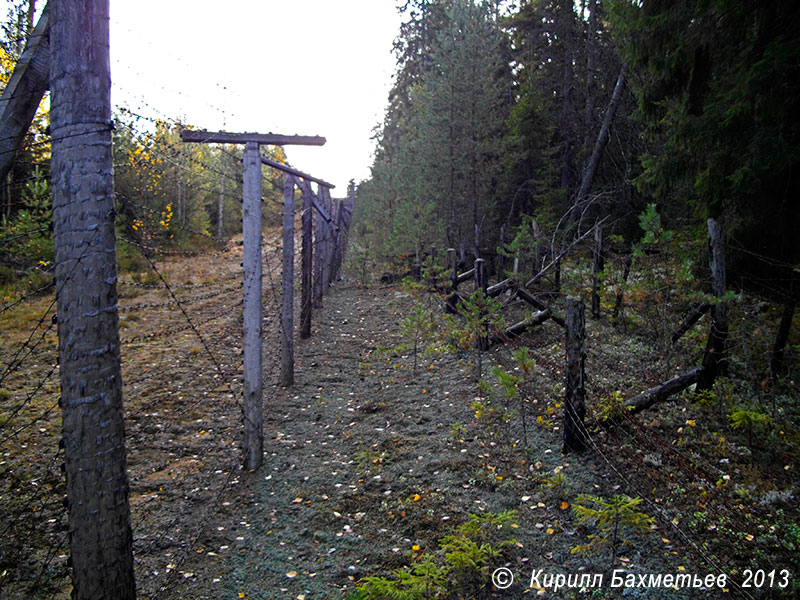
<point x="719" y="86"/>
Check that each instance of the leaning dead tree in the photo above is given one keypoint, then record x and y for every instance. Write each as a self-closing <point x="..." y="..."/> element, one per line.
<point x="86" y="275"/>
<point x="24" y="92"/>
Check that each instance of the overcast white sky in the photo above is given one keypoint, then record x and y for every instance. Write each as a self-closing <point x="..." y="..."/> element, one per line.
<point x="310" y="67"/>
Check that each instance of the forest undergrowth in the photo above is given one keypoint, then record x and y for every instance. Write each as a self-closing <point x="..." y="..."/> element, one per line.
<point x="395" y="473"/>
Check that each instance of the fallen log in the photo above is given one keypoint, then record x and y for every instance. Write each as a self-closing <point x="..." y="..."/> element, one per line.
<point x="499" y="288"/>
<point x="518" y="329"/>
<point x="527" y="297"/>
<point x="466" y="276"/>
<point x="690" y="320"/>
<point x="662" y="391"/>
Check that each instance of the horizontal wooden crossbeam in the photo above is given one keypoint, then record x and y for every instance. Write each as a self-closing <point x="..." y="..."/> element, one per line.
<point x="287" y="169"/>
<point x="272" y="139"/>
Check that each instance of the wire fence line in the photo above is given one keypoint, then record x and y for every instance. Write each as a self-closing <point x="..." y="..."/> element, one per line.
<point x="180" y="337"/>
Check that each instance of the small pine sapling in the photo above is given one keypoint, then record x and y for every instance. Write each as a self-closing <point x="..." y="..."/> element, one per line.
<point x="610" y="517"/>
<point x="417" y="326"/>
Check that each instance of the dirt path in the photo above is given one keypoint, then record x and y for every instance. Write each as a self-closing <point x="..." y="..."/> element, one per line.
<point x="367" y="467"/>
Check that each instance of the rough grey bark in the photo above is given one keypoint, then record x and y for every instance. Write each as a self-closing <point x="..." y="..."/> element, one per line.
<point x="221" y="202"/>
<point x="597" y="268"/>
<point x="575" y="435"/>
<point x="320" y="227"/>
<point x="252" y="333"/>
<point x="621" y="291"/>
<point x="452" y="296"/>
<point x="663" y="391"/>
<point x="327" y="243"/>
<point x="715" y="355"/>
<point x="25" y="90"/>
<point x="86" y="275"/>
<point x="287" y="286"/>
<point x="519" y="328"/>
<point x="306" y="260"/>
<point x="482" y="284"/>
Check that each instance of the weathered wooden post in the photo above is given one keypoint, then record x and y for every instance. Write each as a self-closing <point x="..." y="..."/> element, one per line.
<point x="452" y="295"/>
<point x="597" y="268"/>
<point x="306" y="262"/>
<point x="251" y="234"/>
<point x="715" y="355"/>
<point x="287" y="289"/>
<point x="333" y="248"/>
<point x="482" y="284"/>
<point x="252" y="334"/>
<point x="341" y="229"/>
<point x="328" y="241"/>
<point x="320" y="228"/>
<point x="88" y="323"/>
<point x="621" y="289"/>
<point x="575" y="436"/>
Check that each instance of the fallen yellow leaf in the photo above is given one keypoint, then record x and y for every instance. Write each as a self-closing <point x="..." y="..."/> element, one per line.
<point x="291" y="574"/>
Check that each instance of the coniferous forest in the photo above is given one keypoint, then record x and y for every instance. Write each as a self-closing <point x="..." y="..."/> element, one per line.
<point x="549" y="347"/>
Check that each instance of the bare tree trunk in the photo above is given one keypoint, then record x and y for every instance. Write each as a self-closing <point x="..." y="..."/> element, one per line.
<point x="287" y="303"/>
<point x="590" y="52"/>
<point x="221" y="200"/>
<point x="24" y="92"/>
<point x="307" y="259"/>
<point x="597" y="268"/>
<point x="320" y="227"/>
<point x="86" y="274"/>
<point x="715" y="356"/>
<point x="575" y="435"/>
<point x="626" y="270"/>
<point x="252" y="332"/>
<point x="599" y="146"/>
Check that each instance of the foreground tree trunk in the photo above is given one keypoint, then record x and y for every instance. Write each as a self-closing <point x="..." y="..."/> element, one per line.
<point x="86" y="274"/>
<point x="575" y="398"/>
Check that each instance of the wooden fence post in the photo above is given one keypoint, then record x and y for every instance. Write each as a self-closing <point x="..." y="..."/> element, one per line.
<point x="93" y="439"/>
<point x="575" y="435"/>
<point x="482" y="284"/>
<point x="320" y="228"/>
<point x="287" y="288"/>
<point x="327" y="244"/>
<point x="597" y="268"/>
<point x="307" y="259"/>
<point x="452" y="296"/>
<point x="714" y="358"/>
<point x="251" y="230"/>
<point x="338" y="254"/>
<point x="621" y="289"/>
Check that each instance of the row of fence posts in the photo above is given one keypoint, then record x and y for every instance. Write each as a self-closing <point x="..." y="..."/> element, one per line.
<point x="323" y="244"/>
<point x="574" y="432"/>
